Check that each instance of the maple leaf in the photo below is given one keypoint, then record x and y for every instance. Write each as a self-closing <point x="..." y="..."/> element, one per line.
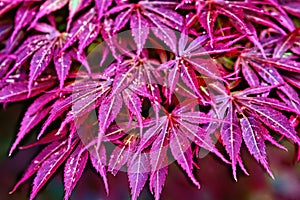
<point x="227" y="69"/>
<point x="246" y="115"/>
<point x="145" y="15"/>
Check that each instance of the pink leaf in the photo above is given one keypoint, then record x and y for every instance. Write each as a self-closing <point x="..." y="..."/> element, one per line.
<point x="164" y="33"/>
<point x="122" y="19"/>
<point x="79" y="26"/>
<point x="118" y="158"/>
<point x="249" y="74"/>
<point x="285" y="43"/>
<point x="74" y="7"/>
<point x="158" y="154"/>
<point x="89" y="34"/>
<point x="171" y="18"/>
<point x="173" y="80"/>
<point x="190" y="79"/>
<point x="134" y="104"/>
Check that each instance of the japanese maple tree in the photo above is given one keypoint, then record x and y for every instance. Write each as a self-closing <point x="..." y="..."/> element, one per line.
<point x="135" y="85"/>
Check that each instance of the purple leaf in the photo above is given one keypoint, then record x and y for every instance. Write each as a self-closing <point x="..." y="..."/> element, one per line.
<point x="138" y="170"/>
<point x="28" y="122"/>
<point x="272" y="76"/>
<point x="173" y="19"/>
<point x="158" y="151"/>
<point x="108" y="111"/>
<point x="48" y="168"/>
<point x="134" y="104"/>
<point x="81" y="25"/>
<point x="62" y="63"/>
<point x="200" y="137"/>
<point x="39" y="62"/>
<point x="102" y="6"/>
<point x="140" y="30"/>
<point x="157" y="181"/>
<point x="164" y="33"/>
<point x="73" y="169"/>
<point x="37" y="161"/>
<point x="122" y="19"/>
<point x="123" y="79"/>
<point x="152" y="133"/>
<point x="232" y="137"/>
<point x="207" y="20"/>
<point x="173" y="80"/>
<point x="190" y="79"/>
<point x="24" y="16"/>
<point x="285" y="43"/>
<point x="98" y="159"/>
<point x="89" y="34"/>
<point x="19" y="91"/>
<point x="28" y="48"/>
<point x="74" y="7"/>
<point x="50" y="137"/>
<point x="7" y="5"/>
<point x="48" y="7"/>
<point x="182" y="152"/>
<point x="118" y="158"/>
<point x="249" y="74"/>
<point x="276" y="121"/>
<point x="293" y="8"/>
<point x="273" y="103"/>
<point x="254" y="142"/>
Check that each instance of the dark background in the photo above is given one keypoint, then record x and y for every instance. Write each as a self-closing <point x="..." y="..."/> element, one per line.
<point x="215" y="176"/>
